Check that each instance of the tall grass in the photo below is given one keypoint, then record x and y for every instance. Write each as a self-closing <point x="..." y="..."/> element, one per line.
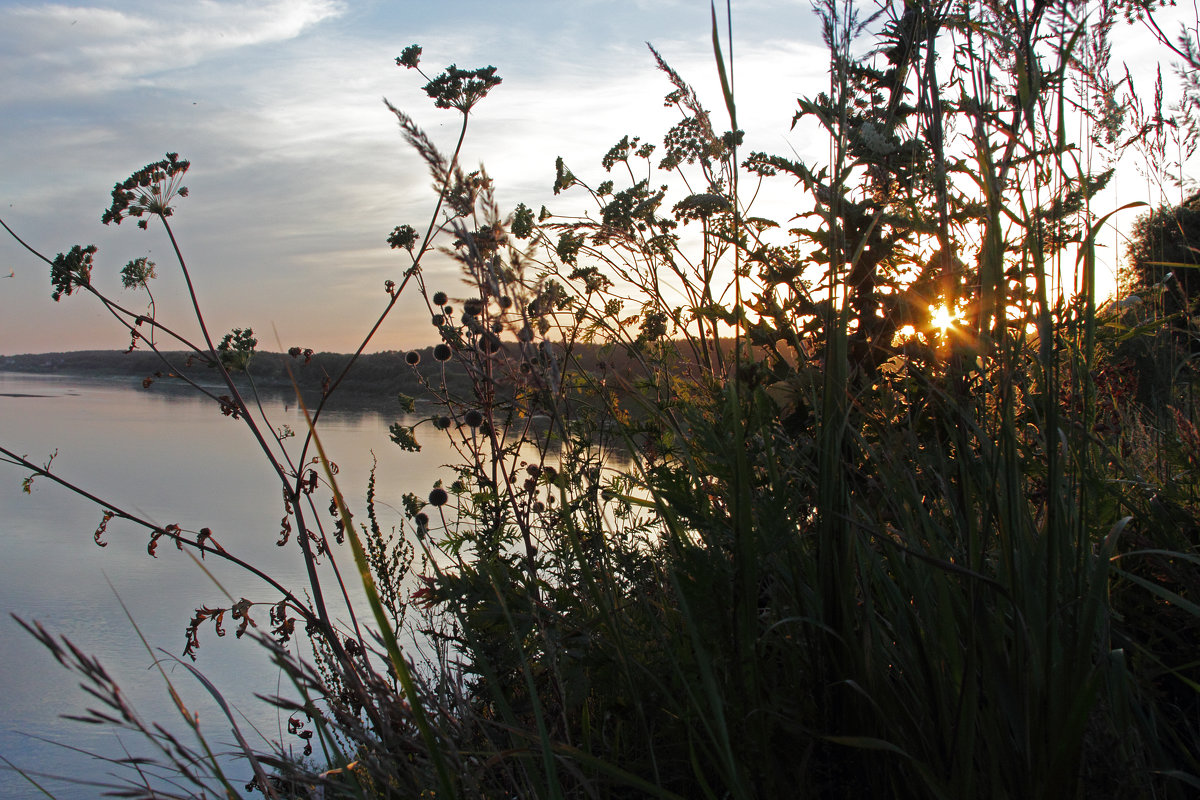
<point x="733" y="516"/>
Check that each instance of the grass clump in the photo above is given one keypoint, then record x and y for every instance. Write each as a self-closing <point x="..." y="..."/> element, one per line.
<point x="874" y="506"/>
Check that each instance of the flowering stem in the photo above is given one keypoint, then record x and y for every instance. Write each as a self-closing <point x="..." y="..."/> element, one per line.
<point x="43" y="471"/>
<point x="22" y="242"/>
<point x="293" y="491"/>
<point x="212" y="351"/>
<point x="408" y="275"/>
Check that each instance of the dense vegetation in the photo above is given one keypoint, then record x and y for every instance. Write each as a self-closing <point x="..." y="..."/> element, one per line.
<point x="880" y="505"/>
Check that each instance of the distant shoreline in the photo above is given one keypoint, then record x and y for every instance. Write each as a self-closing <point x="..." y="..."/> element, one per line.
<point x="375" y="377"/>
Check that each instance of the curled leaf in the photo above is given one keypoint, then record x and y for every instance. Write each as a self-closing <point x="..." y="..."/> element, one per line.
<point x="241" y="611"/>
<point x="99" y="534"/>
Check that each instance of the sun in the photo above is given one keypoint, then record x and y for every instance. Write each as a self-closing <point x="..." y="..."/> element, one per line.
<point x="942" y="318"/>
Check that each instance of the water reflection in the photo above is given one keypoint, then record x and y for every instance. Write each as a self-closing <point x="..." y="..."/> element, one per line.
<point x="170" y="458"/>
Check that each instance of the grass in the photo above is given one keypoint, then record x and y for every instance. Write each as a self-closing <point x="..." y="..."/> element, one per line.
<point x="765" y="541"/>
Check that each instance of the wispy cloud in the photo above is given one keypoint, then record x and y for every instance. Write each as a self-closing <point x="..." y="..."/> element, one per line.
<point x="298" y="170"/>
<point x="60" y="51"/>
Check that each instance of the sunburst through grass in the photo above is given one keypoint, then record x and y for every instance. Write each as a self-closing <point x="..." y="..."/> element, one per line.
<point x="943" y="319"/>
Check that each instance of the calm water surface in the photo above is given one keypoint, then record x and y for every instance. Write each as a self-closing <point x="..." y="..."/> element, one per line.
<point x="172" y="459"/>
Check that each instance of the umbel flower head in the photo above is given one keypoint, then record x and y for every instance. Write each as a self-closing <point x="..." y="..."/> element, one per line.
<point x="461" y="88"/>
<point x="71" y="270"/>
<point x="150" y="190"/>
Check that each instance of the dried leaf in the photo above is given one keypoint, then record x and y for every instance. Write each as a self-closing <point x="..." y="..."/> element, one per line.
<point x="99" y="534"/>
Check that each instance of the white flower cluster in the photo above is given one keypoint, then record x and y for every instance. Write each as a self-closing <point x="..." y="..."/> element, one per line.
<point x="874" y="139"/>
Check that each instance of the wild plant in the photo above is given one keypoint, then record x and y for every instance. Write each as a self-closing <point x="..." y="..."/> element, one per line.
<point x="889" y="551"/>
<point x="738" y="512"/>
<point x="356" y="687"/>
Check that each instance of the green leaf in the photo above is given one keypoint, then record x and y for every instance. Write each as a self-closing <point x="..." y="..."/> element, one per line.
<point x="725" y="88"/>
<point x="403" y="435"/>
<point x="866" y="743"/>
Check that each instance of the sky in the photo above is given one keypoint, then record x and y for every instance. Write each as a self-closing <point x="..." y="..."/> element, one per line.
<point x="298" y="170"/>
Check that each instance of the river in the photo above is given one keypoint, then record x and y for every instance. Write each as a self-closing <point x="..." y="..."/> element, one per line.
<point x="171" y="458"/>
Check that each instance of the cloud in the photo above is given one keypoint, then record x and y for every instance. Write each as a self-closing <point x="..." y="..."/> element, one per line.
<point x="298" y="170"/>
<point x="60" y="51"/>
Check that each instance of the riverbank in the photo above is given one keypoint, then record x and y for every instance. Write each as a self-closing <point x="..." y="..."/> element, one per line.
<point x="374" y="380"/>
